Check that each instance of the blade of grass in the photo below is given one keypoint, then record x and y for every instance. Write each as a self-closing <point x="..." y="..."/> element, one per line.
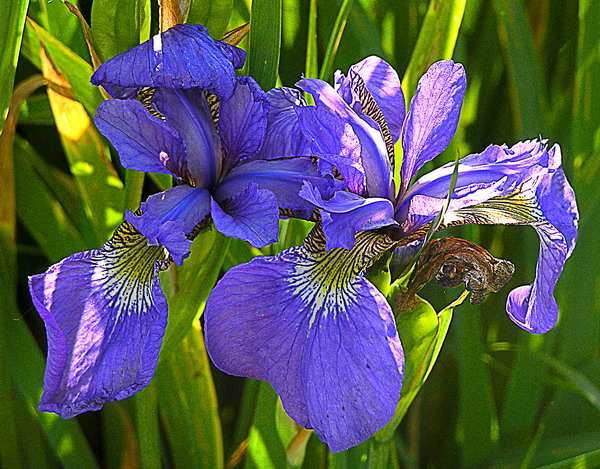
<point x="12" y="22"/>
<point x="334" y="39"/>
<point x="265" y="42"/>
<point x="214" y="16"/>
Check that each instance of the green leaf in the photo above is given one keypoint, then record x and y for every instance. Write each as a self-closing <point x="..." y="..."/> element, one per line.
<point x="311" y="69"/>
<point x="188" y="405"/>
<point x="265" y="42"/>
<point x="193" y="283"/>
<point x="76" y="70"/>
<point x="334" y="39"/>
<point x="146" y="419"/>
<point x="527" y="87"/>
<point x="422" y="332"/>
<point x="36" y="111"/>
<point x="119" y="25"/>
<point x="214" y="16"/>
<point x="12" y="22"/>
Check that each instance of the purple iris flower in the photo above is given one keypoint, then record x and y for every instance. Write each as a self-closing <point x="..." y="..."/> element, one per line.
<point x="104" y="310"/>
<point x="307" y="320"/>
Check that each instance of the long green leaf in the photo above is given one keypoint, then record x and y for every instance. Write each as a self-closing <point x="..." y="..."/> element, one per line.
<point x="188" y="405"/>
<point x="12" y="22"/>
<point x="147" y="431"/>
<point x="213" y="15"/>
<point x="265" y="42"/>
<point x="119" y="25"/>
<point x="334" y="39"/>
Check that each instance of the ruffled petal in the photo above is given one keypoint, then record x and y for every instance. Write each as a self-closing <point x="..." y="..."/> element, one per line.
<point x="374" y="154"/>
<point x="189" y="112"/>
<point x="284" y="136"/>
<point x="105" y="317"/>
<point x="284" y="178"/>
<point x="184" y="56"/>
<point x="242" y="122"/>
<point x="324" y="337"/>
<point x="345" y="214"/>
<point x="144" y="142"/>
<point x="252" y="215"/>
<point x="433" y="116"/>
<point x="384" y="85"/>
<point x="168" y="217"/>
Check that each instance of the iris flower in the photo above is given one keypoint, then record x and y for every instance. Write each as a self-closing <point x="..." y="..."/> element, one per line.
<point x="307" y="320"/>
<point x="104" y="310"/>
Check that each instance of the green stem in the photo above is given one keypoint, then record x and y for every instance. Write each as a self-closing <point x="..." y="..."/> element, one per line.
<point x="334" y="39"/>
<point x="146" y="420"/>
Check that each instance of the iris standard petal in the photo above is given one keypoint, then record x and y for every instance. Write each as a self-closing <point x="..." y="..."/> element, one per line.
<point x="184" y="56"/>
<point x="144" y="142"/>
<point x="323" y="336"/>
<point x="105" y="317"/>
<point x="333" y="140"/>
<point x="374" y="154"/>
<point x="384" y="85"/>
<point x="433" y="116"/>
<point x="168" y="217"/>
<point x="189" y="112"/>
<point x="284" y="136"/>
<point x="252" y="215"/>
<point x="345" y="214"/>
<point x="283" y="177"/>
<point x="242" y="122"/>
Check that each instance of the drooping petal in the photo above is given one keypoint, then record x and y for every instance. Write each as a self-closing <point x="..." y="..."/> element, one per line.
<point x="433" y="116"/>
<point x="283" y="136"/>
<point x="144" y="142"/>
<point x="537" y="195"/>
<point x="189" y="112"/>
<point x="384" y="85"/>
<point x="251" y="215"/>
<point x="168" y="217"/>
<point x="184" y="56"/>
<point x="284" y="178"/>
<point x="242" y="122"/>
<point x="345" y="214"/>
<point x="105" y="317"/>
<point x="374" y="155"/>
<point x="324" y="337"/>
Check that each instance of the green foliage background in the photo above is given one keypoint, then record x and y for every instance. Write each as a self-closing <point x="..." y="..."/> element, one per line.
<point x="497" y="397"/>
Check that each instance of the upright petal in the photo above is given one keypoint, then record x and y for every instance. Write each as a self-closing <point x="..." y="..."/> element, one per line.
<point x="433" y="116"/>
<point x="374" y="154"/>
<point x="184" y="56"/>
<point x="251" y="215"/>
<point x="105" y="317"/>
<point x="345" y="214"/>
<point x="189" y="112"/>
<point x="169" y="217"/>
<point x="242" y="122"/>
<point x="323" y="336"/>
<point x="283" y="177"/>
<point x="283" y="136"/>
<point x="384" y="85"/>
<point x="144" y="142"/>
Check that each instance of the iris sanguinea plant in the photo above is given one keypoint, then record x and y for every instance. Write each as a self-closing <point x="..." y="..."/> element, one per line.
<point x="308" y="320"/>
<point x="179" y="109"/>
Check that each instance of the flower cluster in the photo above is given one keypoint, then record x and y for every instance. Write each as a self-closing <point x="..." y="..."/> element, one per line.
<point x="308" y="320"/>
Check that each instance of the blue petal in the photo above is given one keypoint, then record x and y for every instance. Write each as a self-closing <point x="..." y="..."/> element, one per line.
<point x="105" y="317"/>
<point x="144" y="142"/>
<point x="322" y="336"/>
<point x="284" y="136"/>
<point x="189" y="112"/>
<point x="168" y="217"/>
<point x="252" y="215"/>
<point x="433" y="116"/>
<point x="345" y="214"/>
<point x="374" y="155"/>
<point x="284" y="178"/>
<point x="242" y="122"/>
<point x="184" y="56"/>
<point x="384" y="85"/>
